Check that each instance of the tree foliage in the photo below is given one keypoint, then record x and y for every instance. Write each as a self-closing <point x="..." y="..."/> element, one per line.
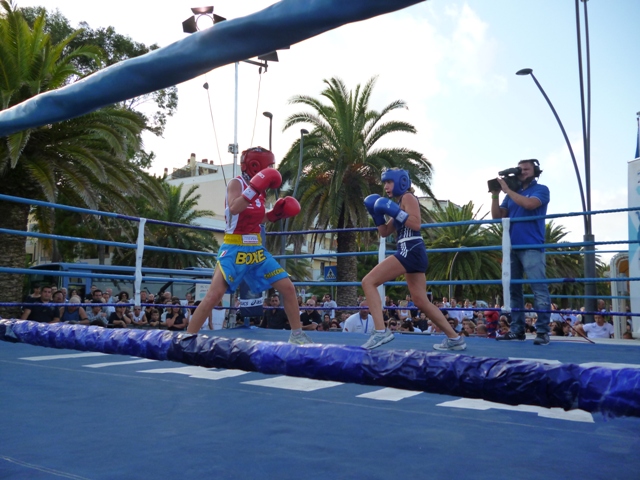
<point x="463" y="264"/>
<point x="342" y="163"/>
<point x="83" y="161"/>
<point x="109" y="48"/>
<point x="177" y="207"/>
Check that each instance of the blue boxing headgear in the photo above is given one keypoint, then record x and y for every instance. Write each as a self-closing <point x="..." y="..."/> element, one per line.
<point x="400" y="179"/>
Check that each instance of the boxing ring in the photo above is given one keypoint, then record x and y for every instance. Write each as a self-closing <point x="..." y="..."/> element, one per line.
<point x="242" y="403"/>
<point x="491" y="386"/>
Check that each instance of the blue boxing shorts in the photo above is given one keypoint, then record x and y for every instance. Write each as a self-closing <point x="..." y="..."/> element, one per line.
<point x="242" y="257"/>
<point x="412" y="254"/>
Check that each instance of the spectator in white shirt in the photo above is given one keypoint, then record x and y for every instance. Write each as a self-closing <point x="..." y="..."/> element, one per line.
<point x="598" y="329"/>
<point x="359" y="322"/>
<point x="329" y="303"/>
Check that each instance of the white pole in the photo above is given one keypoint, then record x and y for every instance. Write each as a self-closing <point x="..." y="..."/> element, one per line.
<point x="451" y="272"/>
<point x="506" y="263"/>
<point x="235" y="126"/>
<point x="137" y="282"/>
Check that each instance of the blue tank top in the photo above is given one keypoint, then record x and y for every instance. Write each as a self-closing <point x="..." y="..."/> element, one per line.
<point x="404" y="232"/>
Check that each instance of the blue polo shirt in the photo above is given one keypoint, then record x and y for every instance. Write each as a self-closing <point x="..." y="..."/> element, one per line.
<point x="527" y="233"/>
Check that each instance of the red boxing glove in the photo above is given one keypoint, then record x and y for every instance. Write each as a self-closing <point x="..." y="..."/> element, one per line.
<point x="284" y="208"/>
<point x="264" y="179"/>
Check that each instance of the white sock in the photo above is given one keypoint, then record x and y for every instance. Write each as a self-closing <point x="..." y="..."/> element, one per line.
<point x="296" y="331"/>
<point x="381" y="331"/>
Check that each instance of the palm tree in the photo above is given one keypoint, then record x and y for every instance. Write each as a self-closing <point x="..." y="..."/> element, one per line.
<point x="84" y="159"/>
<point x="111" y="48"/>
<point x="175" y="207"/>
<point x="342" y="164"/>
<point x="464" y="264"/>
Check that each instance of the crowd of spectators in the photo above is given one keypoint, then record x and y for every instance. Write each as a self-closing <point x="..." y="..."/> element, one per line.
<point x="466" y="318"/>
<point x="571" y="324"/>
<point x="50" y="304"/>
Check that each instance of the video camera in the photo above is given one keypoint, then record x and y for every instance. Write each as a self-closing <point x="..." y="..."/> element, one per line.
<point x="510" y="176"/>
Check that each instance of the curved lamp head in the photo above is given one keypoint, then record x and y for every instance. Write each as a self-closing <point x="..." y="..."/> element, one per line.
<point x="303" y="131"/>
<point x="524" y="71"/>
<point x="267" y="114"/>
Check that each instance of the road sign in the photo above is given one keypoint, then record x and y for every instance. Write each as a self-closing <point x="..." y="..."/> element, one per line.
<point x="330" y="274"/>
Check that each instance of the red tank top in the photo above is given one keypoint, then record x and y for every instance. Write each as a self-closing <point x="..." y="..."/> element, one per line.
<point x="247" y="221"/>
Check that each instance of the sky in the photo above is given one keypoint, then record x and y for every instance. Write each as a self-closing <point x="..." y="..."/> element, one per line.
<point x="453" y="62"/>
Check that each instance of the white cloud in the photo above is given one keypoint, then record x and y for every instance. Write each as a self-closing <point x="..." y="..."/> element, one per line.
<point x="472" y="51"/>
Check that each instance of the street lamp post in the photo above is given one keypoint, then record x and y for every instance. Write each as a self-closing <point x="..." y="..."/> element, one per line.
<point x="303" y="132"/>
<point x="233" y="148"/>
<point x="269" y="115"/>
<point x="528" y="71"/>
<point x="588" y="238"/>
<point x="283" y="242"/>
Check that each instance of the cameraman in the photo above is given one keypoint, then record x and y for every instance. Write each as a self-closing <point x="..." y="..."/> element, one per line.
<point x="529" y="200"/>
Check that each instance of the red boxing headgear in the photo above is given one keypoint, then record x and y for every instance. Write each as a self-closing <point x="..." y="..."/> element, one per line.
<point x="256" y="159"/>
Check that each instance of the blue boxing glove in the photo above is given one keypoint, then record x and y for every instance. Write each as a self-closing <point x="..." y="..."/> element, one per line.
<point x="369" y="203"/>
<point x="385" y="206"/>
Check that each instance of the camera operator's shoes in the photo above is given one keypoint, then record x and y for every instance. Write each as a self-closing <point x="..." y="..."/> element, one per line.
<point x="451" y="344"/>
<point x="513" y="336"/>
<point x="541" y="339"/>
<point x="301" y="339"/>
<point x="378" y="338"/>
